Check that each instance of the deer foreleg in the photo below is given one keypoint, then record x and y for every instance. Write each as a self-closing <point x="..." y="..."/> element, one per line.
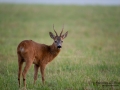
<point x="36" y="67"/>
<point x="42" y="68"/>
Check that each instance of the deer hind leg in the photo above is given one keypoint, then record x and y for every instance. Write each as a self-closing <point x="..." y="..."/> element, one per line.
<point x="20" y="63"/>
<point x="42" y="68"/>
<point x="36" y="67"/>
<point x="26" y="68"/>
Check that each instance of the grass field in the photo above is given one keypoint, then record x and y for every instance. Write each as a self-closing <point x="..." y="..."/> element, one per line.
<point x="89" y="59"/>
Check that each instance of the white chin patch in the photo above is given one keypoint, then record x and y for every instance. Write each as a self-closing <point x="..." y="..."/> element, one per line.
<point x="59" y="48"/>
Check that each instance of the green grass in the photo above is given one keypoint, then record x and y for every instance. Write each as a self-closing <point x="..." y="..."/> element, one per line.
<point x="90" y="53"/>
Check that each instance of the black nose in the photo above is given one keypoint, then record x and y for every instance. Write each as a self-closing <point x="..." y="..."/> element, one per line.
<point x="58" y="46"/>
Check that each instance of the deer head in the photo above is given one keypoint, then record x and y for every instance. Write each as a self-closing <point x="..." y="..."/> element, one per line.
<point x="58" y="40"/>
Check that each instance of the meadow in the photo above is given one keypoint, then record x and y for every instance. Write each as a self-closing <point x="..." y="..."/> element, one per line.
<point x="89" y="59"/>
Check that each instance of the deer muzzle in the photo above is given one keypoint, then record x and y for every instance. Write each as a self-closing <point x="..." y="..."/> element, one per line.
<point x="59" y="46"/>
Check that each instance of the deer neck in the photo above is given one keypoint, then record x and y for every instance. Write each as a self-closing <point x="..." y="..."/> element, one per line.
<point x="54" y="50"/>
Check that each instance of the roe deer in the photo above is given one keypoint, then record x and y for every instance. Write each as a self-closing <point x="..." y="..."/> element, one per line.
<point x="39" y="54"/>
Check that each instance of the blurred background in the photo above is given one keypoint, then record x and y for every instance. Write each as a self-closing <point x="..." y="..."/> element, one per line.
<point x="90" y="56"/>
<point x="77" y="2"/>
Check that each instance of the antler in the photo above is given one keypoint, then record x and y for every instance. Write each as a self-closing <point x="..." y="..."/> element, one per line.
<point x="62" y="31"/>
<point x="54" y="30"/>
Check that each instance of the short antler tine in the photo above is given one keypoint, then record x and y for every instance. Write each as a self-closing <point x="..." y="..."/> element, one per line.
<point x="54" y="30"/>
<point x="62" y="31"/>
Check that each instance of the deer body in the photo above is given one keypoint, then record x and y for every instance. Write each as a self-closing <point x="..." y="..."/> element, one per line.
<point x="38" y="54"/>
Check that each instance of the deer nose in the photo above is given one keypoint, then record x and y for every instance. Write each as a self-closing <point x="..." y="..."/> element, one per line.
<point x="58" y="46"/>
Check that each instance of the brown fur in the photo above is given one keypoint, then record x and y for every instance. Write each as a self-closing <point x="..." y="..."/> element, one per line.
<point x="38" y="54"/>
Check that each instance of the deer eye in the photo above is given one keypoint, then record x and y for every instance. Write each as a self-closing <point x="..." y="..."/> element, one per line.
<point x="62" y="41"/>
<point x="55" y="41"/>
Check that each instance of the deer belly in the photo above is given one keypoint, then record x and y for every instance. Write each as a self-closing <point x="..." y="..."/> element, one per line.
<point x="35" y="61"/>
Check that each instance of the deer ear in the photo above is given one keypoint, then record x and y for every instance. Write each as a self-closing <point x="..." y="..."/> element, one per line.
<point x="52" y="35"/>
<point x="64" y="35"/>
